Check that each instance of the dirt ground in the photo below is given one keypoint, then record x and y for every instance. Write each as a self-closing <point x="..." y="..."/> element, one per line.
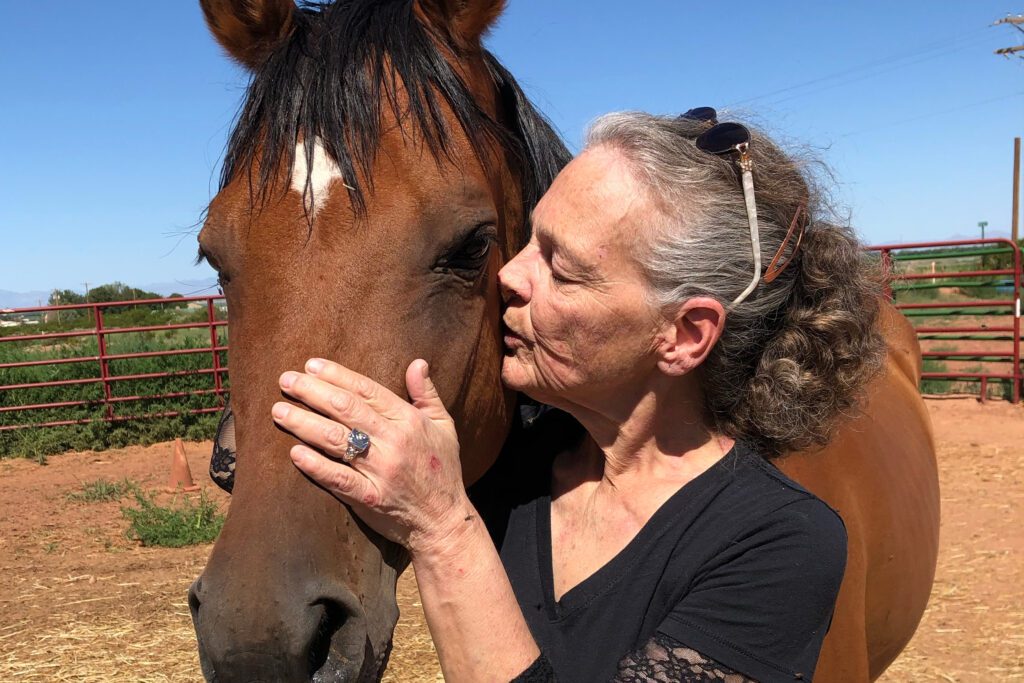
<point x="81" y="602"/>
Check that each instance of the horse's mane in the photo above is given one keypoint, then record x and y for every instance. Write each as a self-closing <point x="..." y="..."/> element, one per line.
<point x="331" y="79"/>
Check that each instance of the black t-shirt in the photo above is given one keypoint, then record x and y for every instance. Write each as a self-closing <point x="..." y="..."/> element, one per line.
<point x="741" y="564"/>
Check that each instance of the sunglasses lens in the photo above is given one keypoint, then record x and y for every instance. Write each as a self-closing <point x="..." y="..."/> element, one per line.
<point x="703" y="114"/>
<point x="724" y="137"/>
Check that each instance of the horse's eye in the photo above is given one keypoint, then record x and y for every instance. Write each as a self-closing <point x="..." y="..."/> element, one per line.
<point x="468" y="258"/>
<point x="203" y="255"/>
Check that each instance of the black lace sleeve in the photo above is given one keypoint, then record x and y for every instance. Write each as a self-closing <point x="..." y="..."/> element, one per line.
<point x="539" y="672"/>
<point x="664" y="659"/>
<point x="222" y="460"/>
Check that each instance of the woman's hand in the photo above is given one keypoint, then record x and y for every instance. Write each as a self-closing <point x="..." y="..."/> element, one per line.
<point x="408" y="485"/>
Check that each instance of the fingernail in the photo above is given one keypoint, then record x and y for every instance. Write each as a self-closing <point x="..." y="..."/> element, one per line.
<point x="288" y="379"/>
<point x="280" y="410"/>
<point x="426" y="370"/>
<point x="298" y="454"/>
<point x="314" y="365"/>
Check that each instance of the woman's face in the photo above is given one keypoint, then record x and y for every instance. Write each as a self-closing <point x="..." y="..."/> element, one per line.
<point x="580" y="330"/>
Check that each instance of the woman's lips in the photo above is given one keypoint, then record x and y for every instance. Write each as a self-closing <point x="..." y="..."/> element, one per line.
<point x="513" y="340"/>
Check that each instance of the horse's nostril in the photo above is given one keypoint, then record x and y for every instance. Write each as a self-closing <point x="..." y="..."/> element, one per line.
<point x="194" y="601"/>
<point x="333" y="616"/>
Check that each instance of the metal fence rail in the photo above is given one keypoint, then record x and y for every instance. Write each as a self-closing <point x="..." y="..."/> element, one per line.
<point x="961" y="271"/>
<point x="105" y="378"/>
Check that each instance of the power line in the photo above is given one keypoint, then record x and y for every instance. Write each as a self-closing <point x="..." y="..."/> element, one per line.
<point x="932" y="50"/>
<point x="929" y="115"/>
<point x="873" y="74"/>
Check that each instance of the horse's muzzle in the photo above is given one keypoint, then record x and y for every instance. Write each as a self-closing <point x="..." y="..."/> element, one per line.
<point x="323" y="640"/>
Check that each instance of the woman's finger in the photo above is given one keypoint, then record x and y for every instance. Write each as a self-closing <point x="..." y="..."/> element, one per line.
<point x="333" y="402"/>
<point x="320" y="432"/>
<point x="422" y="391"/>
<point x="341" y="481"/>
<point x="378" y="397"/>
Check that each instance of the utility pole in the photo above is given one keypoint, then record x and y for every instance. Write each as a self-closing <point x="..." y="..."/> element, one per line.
<point x="982" y="224"/>
<point x="1018" y="23"/>
<point x="1015" y="223"/>
<point x="87" y="301"/>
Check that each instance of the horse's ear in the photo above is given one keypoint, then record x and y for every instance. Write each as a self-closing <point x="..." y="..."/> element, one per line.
<point x="466" y="21"/>
<point x="249" y="30"/>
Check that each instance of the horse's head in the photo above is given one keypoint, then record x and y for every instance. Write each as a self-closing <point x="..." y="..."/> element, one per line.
<point x="381" y="170"/>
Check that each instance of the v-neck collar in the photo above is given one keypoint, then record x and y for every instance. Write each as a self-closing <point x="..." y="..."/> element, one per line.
<point x="613" y="571"/>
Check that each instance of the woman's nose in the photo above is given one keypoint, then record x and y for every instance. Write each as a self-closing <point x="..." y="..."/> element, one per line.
<point x="512" y="280"/>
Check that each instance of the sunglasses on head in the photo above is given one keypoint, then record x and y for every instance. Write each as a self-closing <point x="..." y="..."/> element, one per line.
<point x="733" y="138"/>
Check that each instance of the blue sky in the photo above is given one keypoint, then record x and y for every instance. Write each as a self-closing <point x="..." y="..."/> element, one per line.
<point x="114" y="114"/>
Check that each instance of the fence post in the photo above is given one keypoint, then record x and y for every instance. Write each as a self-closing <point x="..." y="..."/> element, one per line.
<point x="211" y="316"/>
<point x="1018" y="372"/>
<point x="887" y="273"/>
<point x="104" y="370"/>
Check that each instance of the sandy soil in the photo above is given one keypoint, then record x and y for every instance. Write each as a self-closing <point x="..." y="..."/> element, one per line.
<point x="973" y="629"/>
<point x="81" y="602"/>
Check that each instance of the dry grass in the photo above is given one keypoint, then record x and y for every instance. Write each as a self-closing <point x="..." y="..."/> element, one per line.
<point x="145" y="634"/>
<point x="130" y="632"/>
<point x="973" y="629"/>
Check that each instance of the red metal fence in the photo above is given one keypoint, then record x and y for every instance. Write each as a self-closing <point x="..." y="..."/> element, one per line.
<point x="989" y="321"/>
<point x="103" y="358"/>
<point x="992" y="331"/>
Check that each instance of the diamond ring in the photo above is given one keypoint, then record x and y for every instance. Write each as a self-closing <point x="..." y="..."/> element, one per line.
<point x="358" y="444"/>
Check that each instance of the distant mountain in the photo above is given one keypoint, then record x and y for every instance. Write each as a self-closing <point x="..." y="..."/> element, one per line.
<point x="989" y="235"/>
<point x="200" y="287"/>
<point x="22" y="299"/>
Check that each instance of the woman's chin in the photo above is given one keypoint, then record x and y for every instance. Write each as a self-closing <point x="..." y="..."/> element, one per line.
<point x="514" y="375"/>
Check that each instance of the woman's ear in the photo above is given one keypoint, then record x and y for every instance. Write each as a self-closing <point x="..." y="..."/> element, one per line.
<point x="465" y="21"/>
<point x="687" y="338"/>
<point x="249" y="30"/>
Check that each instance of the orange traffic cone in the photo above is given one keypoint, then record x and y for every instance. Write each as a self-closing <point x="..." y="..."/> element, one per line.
<point x="181" y="475"/>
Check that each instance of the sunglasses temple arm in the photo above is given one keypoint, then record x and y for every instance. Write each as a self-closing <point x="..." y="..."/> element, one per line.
<point x="755" y="236"/>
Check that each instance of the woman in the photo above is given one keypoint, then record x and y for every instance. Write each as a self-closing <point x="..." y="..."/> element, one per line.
<point x="657" y="542"/>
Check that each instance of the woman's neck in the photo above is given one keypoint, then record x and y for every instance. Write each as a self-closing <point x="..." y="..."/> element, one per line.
<point x="661" y="434"/>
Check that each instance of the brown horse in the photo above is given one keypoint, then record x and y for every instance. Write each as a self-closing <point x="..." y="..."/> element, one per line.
<point x="880" y="473"/>
<point x="380" y="173"/>
<point x="378" y="177"/>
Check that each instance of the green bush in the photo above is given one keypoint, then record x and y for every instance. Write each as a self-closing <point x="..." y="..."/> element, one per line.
<point x="102" y="490"/>
<point x="930" y="385"/>
<point x="185" y="523"/>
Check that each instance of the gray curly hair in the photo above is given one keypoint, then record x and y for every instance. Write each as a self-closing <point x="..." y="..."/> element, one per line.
<point x="795" y="355"/>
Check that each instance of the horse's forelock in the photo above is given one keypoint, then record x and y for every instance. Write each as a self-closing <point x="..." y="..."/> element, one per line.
<point x="343" y="66"/>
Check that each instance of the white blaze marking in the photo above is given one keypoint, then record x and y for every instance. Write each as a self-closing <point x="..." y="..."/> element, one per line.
<point x="324" y="172"/>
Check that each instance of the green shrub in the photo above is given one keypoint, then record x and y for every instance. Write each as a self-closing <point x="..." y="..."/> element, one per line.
<point x="931" y="385"/>
<point x="102" y="490"/>
<point x="185" y="523"/>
